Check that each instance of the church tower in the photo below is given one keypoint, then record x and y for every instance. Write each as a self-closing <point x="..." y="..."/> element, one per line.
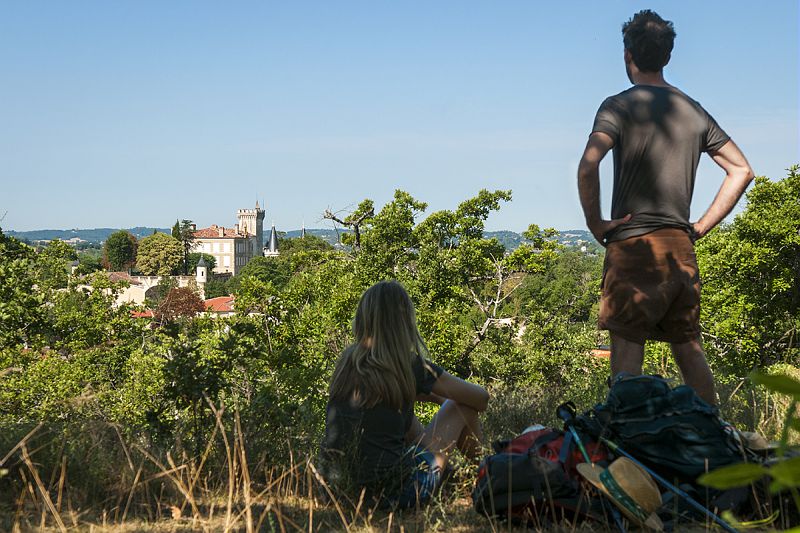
<point x="252" y="222"/>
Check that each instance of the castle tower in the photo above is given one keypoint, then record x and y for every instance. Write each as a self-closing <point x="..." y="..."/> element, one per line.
<point x="252" y="222"/>
<point x="271" y="250"/>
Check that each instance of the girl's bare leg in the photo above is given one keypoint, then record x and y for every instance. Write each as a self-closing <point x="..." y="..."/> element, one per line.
<point x="453" y="426"/>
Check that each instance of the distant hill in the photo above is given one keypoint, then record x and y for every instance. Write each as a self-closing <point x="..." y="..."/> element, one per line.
<point x="96" y="235"/>
<point x="509" y="239"/>
<point x="329" y="235"/>
<point x="574" y="237"/>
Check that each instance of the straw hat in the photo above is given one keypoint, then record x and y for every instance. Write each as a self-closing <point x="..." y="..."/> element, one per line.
<point x="629" y="487"/>
<point x="757" y="442"/>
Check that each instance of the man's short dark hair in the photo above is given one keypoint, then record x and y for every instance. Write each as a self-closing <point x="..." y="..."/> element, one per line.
<point x="649" y="39"/>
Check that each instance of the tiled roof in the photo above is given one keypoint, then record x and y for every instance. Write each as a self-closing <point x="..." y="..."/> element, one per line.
<point x="601" y="352"/>
<point x="213" y="232"/>
<point x="147" y="313"/>
<point x="220" y="304"/>
<point x="123" y="276"/>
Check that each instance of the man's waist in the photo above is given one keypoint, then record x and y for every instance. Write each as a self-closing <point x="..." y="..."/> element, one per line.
<point x="641" y="225"/>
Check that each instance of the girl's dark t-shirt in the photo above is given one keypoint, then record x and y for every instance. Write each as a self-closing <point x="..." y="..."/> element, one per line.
<point x="365" y="447"/>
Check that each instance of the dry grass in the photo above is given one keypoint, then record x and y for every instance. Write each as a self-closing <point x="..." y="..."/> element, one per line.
<point x="159" y="492"/>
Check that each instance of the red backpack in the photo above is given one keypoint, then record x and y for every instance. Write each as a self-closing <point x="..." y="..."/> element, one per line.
<point x="535" y="475"/>
<point x="555" y="446"/>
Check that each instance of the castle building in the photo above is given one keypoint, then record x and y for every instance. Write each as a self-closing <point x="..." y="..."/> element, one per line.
<point x="234" y="247"/>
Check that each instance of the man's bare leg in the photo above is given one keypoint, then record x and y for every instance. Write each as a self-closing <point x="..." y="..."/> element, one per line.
<point x="626" y="356"/>
<point x="695" y="370"/>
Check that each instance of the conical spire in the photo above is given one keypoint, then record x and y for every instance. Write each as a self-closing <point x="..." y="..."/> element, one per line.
<point x="272" y="247"/>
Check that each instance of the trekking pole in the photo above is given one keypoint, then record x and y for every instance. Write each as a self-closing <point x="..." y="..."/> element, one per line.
<point x="566" y="412"/>
<point x="669" y="486"/>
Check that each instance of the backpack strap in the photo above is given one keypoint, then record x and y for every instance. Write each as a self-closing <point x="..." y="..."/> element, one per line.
<point x="566" y="448"/>
<point x="543" y="440"/>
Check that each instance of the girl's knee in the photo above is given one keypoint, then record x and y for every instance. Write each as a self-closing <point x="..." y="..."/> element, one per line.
<point x="466" y="412"/>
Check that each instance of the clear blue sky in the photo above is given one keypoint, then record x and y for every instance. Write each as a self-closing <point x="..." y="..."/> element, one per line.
<point x="117" y="114"/>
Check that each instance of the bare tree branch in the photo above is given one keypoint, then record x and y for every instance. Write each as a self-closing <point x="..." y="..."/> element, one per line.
<point x="355" y="224"/>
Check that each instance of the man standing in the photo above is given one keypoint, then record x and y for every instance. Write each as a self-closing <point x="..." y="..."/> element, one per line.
<point x="651" y="285"/>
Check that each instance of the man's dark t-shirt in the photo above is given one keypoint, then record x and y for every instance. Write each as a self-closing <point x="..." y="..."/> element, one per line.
<point x="365" y="447"/>
<point x="659" y="134"/>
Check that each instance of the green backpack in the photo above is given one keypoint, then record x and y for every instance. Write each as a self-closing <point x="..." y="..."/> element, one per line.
<point x="671" y="430"/>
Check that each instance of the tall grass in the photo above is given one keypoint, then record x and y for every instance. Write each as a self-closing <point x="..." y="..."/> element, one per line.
<point x="124" y="484"/>
<point x="96" y="476"/>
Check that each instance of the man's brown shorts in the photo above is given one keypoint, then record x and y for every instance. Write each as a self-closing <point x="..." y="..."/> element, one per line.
<point x="651" y="288"/>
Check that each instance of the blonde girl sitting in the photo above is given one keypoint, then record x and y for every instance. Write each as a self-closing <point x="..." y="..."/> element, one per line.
<point x="373" y="442"/>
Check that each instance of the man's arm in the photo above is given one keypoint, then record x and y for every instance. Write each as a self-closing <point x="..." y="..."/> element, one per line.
<point x="738" y="176"/>
<point x="589" y="186"/>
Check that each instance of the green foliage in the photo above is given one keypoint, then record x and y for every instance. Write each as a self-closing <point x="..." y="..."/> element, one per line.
<point x="162" y="289"/>
<point x="255" y="295"/>
<point x="778" y="383"/>
<point x="296" y="256"/>
<point x="119" y="251"/>
<point x="216" y="286"/>
<point x="74" y="359"/>
<point x="183" y="232"/>
<point x="176" y="230"/>
<point x="570" y="287"/>
<point x="751" y="280"/>
<point x="52" y="265"/>
<point x="388" y="240"/>
<point x="275" y="270"/>
<point x="88" y="263"/>
<point x="21" y="307"/>
<point x="729" y="477"/>
<point x="159" y="255"/>
<point x="194" y="258"/>
<point x="784" y="473"/>
<point x="308" y="243"/>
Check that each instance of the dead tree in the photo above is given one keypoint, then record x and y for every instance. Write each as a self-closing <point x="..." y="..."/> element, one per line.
<point x="352" y="221"/>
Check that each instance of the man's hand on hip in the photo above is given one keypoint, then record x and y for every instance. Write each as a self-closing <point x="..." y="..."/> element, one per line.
<point x="601" y="228"/>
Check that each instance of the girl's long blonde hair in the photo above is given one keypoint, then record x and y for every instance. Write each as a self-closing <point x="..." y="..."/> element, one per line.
<point x="376" y="368"/>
